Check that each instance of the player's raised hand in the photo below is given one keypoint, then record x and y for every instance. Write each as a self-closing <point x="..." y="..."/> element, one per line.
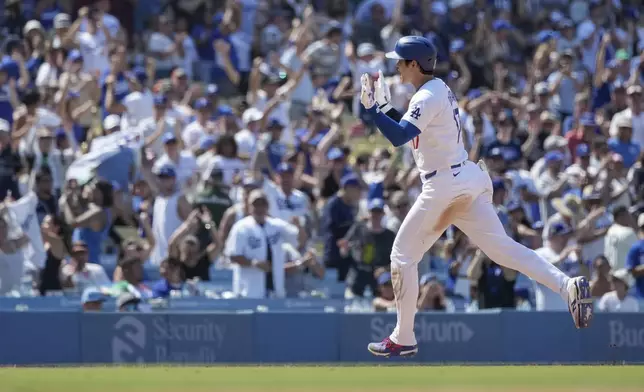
<point x="366" y="95"/>
<point x="381" y="91"/>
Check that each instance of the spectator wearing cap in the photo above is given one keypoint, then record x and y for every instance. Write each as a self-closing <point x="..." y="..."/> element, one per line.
<point x="600" y="284"/>
<point x="622" y="143"/>
<point x="153" y="129"/>
<point x="246" y="138"/>
<point x="585" y="133"/>
<point x="262" y="93"/>
<point x="632" y="113"/>
<point x="552" y="183"/>
<point x="620" y="238"/>
<point x="92" y="299"/>
<point x="582" y="162"/>
<point x="139" y="103"/>
<point x="384" y="299"/>
<point x="197" y="130"/>
<point x="551" y="143"/>
<point x="271" y="150"/>
<point x="170" y="209"/>
<point x="565" y="255"/>
<point x="214" y="194"/>
<point x="432" y="296"/>
<point x="369" y="245"/>
<point x="507" y="141"/>
<point x="338" y="215"/>
<point x="183" y="161"/>
<point x="61" y="23"/>
<point x="635" y="259"/>
<point x="254" y="246"/>
<point x="331" y="183"/>
<point x="619" y="300"/>
<point x="80" y="273"/>
<point x="285" y="202"/>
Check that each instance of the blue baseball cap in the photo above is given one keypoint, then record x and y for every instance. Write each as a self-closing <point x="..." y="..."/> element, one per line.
<point x="582" y="150"/>
<point x="92" y="294"/>
<point x="160" y="100"/>
<point x="201" y="103"/>
<point x="496" y="152"/>
<point x="207" y="142"/>
<point x="60" y="134"/>
<point x="384" y="278"/>
<point x="500" y="25"/>
<point x="75" y="55"/>
<point x="498" y="184"/>
<point x="554" y="156"/>
<point x="275" y="122"/>
<point x="376" y="204"/>
<point x="225" y="110"/>
<point x="166" y="171"/>
<point x="349" y="180"/>
<point x="169" y="137"/>
<point x="334" y="153"/>
<point x="139" y="74"/>
<point x="559" y="229"/>
<point x="285" y="168"/>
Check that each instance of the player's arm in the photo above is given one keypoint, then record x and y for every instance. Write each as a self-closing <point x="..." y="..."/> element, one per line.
<point x="398" y="133"/>
<point x="391" y="112"/>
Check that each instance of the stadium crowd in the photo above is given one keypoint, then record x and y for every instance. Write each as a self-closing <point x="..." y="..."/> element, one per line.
<point x="149" y="145"/>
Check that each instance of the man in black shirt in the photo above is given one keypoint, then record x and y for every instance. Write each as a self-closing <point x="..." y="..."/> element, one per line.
<point x="370" y="244"/>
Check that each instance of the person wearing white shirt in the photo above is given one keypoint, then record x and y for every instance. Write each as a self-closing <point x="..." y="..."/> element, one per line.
<point x="247" y="138"/>
<point x="152" y="129"/>
<point x="139" y="104"/>
<point x="618" y="300"/>
<point x="80" y="274"/>
<point x="619" y="239"/>
<point x="284" y="201"/>
<point x="255" y="248"/>
<point x="634" y="113"/>
<point x="93" y="41"/>
<point x="163" y="48"/>
<point x="184" y="161"/>
<point x="197" y="130"/>
<point x="13" y="241"/>
<point x="224" y="157"/>
<point x="565" y="256"/>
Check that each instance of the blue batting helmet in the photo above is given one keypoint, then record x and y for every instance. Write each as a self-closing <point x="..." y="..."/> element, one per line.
<point x="416" y="48"/>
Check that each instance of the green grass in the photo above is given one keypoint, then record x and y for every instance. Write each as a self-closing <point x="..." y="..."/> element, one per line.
<point x="324" y="378"/>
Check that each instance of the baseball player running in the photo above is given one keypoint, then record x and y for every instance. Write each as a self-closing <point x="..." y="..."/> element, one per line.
<point x="454" y="191"/>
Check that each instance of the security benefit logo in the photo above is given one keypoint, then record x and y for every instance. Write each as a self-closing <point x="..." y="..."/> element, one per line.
<point x="188" y="339"/>
<point x="128" y="341"/>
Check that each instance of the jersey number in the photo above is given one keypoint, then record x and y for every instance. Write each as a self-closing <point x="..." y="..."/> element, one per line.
<point x="457" y="120"/>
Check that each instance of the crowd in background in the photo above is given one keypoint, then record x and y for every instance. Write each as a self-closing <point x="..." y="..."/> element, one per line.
<point x="148" y="144"/>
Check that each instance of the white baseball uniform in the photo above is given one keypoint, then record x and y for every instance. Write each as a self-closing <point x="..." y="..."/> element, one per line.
<point x="454" y="191"/>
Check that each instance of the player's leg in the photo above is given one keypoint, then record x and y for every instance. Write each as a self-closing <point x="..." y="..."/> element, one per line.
<point x="482" y="225"/>
<point x="416" y="235"/>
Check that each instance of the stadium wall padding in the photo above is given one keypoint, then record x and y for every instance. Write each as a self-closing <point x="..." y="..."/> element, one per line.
<point x="36" y="338"/>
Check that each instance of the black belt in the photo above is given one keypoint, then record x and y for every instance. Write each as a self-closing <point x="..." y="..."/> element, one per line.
<point x="429" y="175"/>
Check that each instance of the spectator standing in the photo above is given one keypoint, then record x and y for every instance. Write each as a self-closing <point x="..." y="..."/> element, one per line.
<point x="79" y="273"/>
<point x="620" y="238"/>
<point x="338" y="216"/>
<point x="255" y="249"/>
<point x="564" y="255"/>
<point x="170" y="209"/>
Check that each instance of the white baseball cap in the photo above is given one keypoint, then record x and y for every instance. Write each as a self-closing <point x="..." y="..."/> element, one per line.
<point x="251" y="114"/>
<point x="111" y="121"/>
<point x="30" y="26"/>
<point x="4" y="125"/>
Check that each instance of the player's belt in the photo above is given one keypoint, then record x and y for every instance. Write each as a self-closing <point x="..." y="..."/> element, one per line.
<point x="432" y="174"/>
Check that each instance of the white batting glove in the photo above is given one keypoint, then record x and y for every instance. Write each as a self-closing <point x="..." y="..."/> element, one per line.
<point x="366" y="95"/>
<point x="382" y="93"/>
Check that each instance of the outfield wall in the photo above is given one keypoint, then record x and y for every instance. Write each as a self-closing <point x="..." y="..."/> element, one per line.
<point x="28" y="338"/>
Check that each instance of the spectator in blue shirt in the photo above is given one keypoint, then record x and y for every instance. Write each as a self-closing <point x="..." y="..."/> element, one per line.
<point x="623" y="145"/>
<point x="172" y="279"/>
<point x="635" y="259"/>
<point x="337" y="217"/>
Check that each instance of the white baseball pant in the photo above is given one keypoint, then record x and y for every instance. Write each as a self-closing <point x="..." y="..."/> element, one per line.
<point x="462" y="197"/>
